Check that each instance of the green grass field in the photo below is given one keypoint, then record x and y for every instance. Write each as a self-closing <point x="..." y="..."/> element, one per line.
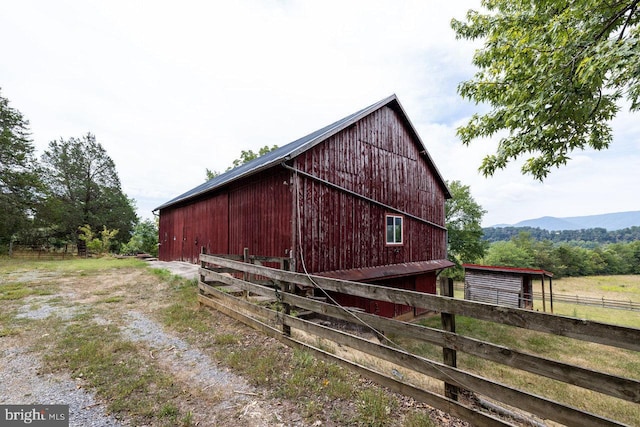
<point x="619" y="288"/>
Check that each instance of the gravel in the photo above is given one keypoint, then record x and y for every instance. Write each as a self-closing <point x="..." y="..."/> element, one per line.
<point x="21" y="383"/>
<point x="196" y="367"/>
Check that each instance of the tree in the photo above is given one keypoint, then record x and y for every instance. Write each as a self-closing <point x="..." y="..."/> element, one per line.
<point x="463" y="216"/>
<point x="211" y="174"/>
<point x="508" y="254"/>
<point x="20" y="185"/>
<point x="96" y="245"/>
<point x="84" y="189"/>
<point x="245" y="157"/>
<point x="143" y="240"/>
<point x="554" y="74"/>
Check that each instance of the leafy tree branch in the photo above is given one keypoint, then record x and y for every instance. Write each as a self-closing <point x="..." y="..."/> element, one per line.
<point x="554" y="74"/>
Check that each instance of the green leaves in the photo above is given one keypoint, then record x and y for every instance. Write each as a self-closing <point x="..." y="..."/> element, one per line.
<point x="553" y="73"/>
<point x="463" y="217"/>
<point x="84" y="188"/>
<point x="20" y="185"/>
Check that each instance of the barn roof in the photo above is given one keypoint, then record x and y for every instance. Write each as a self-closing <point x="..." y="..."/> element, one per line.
<point x="501" y="269"/>
<point x="303" y="144"/>
<point x="390" y="271"/>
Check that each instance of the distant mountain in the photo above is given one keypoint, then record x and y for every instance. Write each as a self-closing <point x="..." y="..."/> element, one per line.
<point x="610" y="222"/>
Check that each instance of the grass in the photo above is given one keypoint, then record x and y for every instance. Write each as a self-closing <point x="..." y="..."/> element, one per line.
<point x="116" y="369"/>
<point x="293" y="375"/>
<point x="375" y="407"/>
<point x="615" y="361"/>
<point x="124" y="374"/>
<point x="621" y="288"/>
<point x="74" y="266"/>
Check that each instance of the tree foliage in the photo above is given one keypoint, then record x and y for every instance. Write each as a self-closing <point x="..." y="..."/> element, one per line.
<point x="143" y="240"/>
<point x="554" y="74"/>
<point x="97" y="245"/>
<point x="245" y="157"/>
<point x="84" y="189"/>
<point x="463" y="218"/>
<point x="19" y="179"/>
<point x="565" y="259"/>
<point x="588" y="238"/>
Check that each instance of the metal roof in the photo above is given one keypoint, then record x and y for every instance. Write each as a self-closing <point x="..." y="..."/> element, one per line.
<point x="388" y="271"/>
<point x="502" y="269"/>
<point x="301" y="145"/>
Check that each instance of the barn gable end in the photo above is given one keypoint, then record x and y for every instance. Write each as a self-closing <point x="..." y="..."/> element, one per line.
<point x="379" y="159"/>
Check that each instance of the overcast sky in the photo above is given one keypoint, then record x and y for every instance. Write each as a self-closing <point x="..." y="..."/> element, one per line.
<point x="172" y="88"/>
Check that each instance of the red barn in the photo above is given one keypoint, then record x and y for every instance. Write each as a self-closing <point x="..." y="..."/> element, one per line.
<point x="360" y="199"/>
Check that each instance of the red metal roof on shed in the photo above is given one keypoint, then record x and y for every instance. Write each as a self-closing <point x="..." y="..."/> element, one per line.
<point x="507" y="269"/>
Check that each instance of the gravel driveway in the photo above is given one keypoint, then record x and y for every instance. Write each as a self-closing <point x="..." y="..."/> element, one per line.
<point x="22" y="380"/>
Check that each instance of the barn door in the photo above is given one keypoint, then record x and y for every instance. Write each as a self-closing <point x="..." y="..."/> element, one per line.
<point x="187" y="250"/>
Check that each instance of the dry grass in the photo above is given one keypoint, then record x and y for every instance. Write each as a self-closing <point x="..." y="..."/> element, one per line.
<point x="620" y="288"/>
<point x="602" y="358"/>
<point x="134" y="382"/>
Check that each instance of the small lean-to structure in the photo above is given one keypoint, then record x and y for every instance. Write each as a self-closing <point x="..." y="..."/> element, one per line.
<point x="510" y="286"/>
<point x="359" y="199"/>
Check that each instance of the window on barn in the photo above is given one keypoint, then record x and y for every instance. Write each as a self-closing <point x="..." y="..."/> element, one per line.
<point x="394" y="230"/>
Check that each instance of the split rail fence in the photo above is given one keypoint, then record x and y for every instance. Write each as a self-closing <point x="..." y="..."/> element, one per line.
<point x="221" y="273"/>
<point x="603" y="302"/>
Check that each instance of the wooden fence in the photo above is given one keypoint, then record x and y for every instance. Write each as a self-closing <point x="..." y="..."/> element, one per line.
<point x="603" y="302"/>
<point x="222" y="273"/>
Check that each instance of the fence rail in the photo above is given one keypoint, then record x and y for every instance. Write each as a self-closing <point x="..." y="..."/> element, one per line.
<point x="214" y="274"/>
<point x="594" y="302"/>
<point x="41" y="255"/>
<point x="566" y="298"/>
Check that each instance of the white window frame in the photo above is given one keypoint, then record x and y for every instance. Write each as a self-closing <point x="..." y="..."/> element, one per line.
<point x="396" y="221"/>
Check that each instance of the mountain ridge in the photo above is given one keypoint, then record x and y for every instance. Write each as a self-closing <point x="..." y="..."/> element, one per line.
<point x="609" y="221"/>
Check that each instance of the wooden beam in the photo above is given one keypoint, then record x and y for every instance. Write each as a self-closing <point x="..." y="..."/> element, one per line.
<point x="449" y="355"/>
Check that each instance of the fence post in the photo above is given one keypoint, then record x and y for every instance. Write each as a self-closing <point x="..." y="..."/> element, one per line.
<point x="246" y="276"/>
<point x="448" y="324"/>
<point x="286" y="287"/>
<point x="203" y="264"/>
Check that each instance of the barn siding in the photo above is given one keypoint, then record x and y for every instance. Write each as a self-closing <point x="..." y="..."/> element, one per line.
<point x="260" y="214"/>
<point x="493" y="288"/>
<point x="185" y="230"/>
<point x="377" y="158"/>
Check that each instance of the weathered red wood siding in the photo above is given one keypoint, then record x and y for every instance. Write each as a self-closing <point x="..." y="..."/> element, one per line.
<point x="260" y="214"/>
<point x="376" y="157"/>
<point x="185" y="230"/>
<point x="253" y="213"/>
<point x="421" y="283"/>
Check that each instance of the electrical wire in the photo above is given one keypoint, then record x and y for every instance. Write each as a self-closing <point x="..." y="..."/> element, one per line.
<point x="350" y="312"/>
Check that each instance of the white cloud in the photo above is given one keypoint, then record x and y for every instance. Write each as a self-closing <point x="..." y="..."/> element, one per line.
<point x="172" y="88"/>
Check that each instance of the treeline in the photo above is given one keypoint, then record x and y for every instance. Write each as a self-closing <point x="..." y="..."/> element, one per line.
<point x="70" y="196"/>
<point x="565" y="258"/>
<point x="589" y="238"/>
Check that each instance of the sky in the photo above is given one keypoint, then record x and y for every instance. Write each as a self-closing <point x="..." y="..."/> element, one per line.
<point x="172" y="88"/>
